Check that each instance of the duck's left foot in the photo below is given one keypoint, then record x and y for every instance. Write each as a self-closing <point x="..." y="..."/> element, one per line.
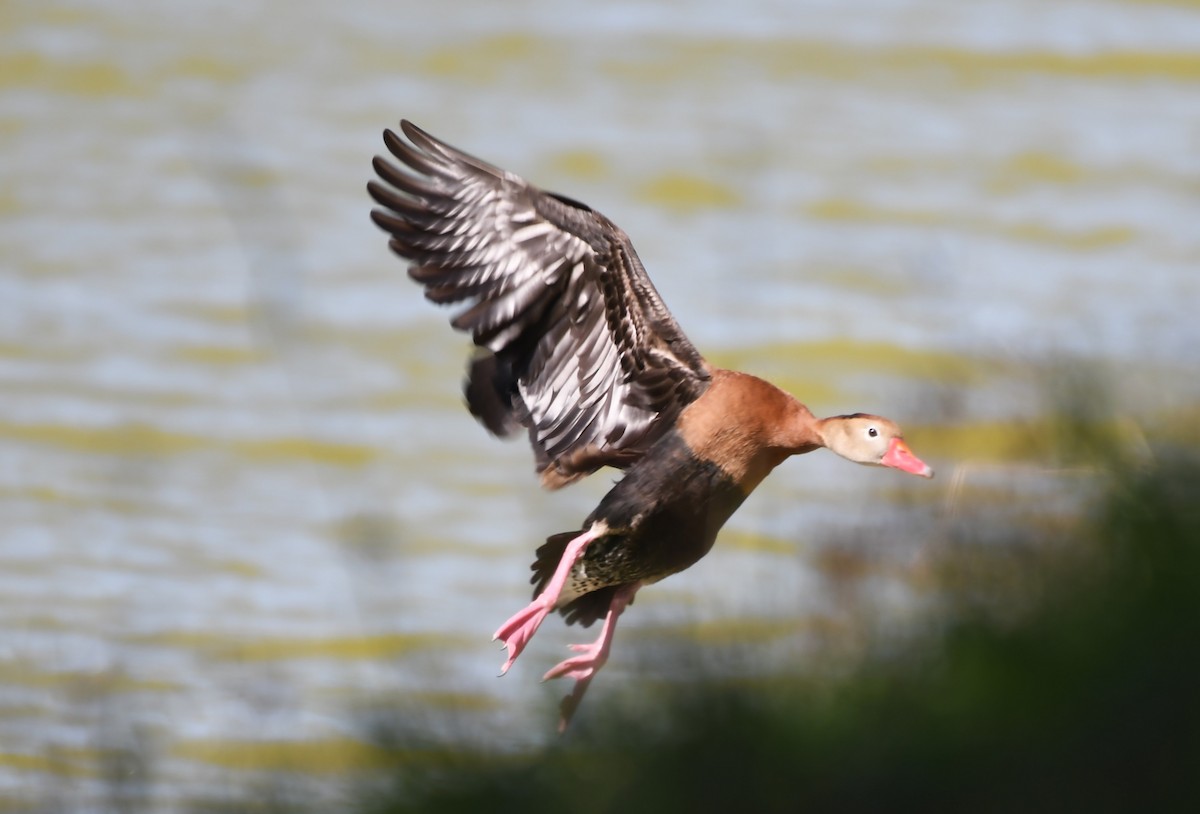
<point x="583" y="668"/>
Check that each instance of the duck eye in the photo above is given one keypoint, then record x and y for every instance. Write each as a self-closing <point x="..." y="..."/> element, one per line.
<point x="872" y="432"/>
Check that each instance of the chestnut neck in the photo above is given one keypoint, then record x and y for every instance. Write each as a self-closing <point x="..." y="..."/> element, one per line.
<point x="748" y="426"/>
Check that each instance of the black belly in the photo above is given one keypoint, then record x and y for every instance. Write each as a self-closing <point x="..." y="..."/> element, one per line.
<point x="662" y="517"/>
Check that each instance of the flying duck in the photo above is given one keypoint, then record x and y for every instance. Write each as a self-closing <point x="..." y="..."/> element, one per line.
<point x="575" y="345"/>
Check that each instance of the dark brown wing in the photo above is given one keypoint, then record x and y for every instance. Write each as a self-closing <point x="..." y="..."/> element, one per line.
<point x="576" y="344"/>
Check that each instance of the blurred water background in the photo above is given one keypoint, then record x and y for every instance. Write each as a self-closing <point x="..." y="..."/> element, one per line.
<point x="243" y="509"/>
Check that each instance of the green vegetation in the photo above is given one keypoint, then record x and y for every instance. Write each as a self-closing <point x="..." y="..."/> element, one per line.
<point x="142" y="439"/>
<point x="847" y="209"/>
<point x="1088" y="700"/>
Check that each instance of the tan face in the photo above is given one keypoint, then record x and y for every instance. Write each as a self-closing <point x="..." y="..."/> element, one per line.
<point x="867" y="437"/>
<point x="872" y="440"/>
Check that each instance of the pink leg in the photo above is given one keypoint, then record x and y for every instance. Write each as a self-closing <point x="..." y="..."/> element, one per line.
<point x="519" y="629"/>
<point x="584" y="667"/>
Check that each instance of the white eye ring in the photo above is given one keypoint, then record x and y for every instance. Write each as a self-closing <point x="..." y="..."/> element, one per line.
<point x="872" y="432"/>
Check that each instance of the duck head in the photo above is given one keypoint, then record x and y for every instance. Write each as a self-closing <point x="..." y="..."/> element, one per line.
<point x="871" y="440"/>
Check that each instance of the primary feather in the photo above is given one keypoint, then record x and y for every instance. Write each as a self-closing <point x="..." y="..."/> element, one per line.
<point x="575" y="343"/>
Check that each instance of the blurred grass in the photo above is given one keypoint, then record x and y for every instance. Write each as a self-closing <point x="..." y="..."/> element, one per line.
<point x="1100" y="237"/>
<point x="142" y="439"/>
<point x="1088" y="701"/>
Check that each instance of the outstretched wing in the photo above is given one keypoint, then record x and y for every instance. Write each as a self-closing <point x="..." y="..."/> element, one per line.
<point x="575" y="343"/>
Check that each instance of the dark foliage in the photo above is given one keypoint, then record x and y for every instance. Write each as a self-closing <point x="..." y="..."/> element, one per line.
<point x="1090" y="704"/>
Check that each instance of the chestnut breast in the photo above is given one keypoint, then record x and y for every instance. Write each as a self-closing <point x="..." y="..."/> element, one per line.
<point x="747" y="427"/>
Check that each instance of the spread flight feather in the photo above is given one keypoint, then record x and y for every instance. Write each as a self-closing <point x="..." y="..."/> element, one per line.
<point x="575" y="343"/>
